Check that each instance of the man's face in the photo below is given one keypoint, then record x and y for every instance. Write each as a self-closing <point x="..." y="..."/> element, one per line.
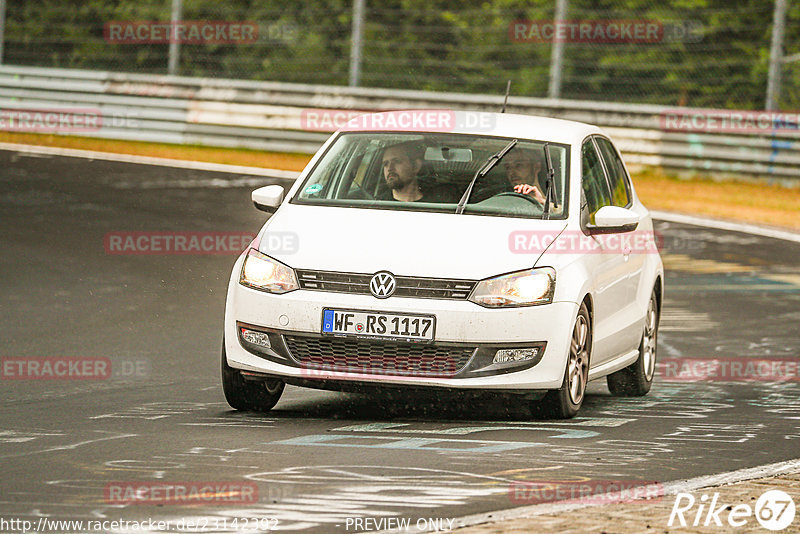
<point x="521" y="168"/>
<point x="398" y="169"/>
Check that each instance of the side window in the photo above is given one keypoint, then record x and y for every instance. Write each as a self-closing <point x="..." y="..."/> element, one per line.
<point x="593" y="181"/>
<point x="617" y="178"/>
<point x="327" y="176"/>
<point x="361" y="184"/>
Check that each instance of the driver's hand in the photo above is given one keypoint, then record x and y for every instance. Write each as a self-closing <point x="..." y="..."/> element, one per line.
<point x="527" y="189"/>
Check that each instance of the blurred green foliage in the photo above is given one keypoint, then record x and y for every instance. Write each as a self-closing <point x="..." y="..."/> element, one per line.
<point x="437" y="45"/>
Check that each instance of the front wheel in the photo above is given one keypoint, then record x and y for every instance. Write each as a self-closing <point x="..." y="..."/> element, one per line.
<point x="245" y="395"/>
<point x="564" y="402"/>
<point x="636" y="379"/>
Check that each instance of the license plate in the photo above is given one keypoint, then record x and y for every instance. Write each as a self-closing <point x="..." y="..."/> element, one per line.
<point x="406" y="327"/>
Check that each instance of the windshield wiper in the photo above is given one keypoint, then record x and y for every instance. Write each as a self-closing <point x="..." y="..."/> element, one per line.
<point x="549" y="185"/>
<point x="483" y="171"/>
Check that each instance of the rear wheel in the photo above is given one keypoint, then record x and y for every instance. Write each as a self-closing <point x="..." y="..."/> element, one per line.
<point x="564" y="402"/>
<point x="246" y="395"/>
<point x="636" y="379"/>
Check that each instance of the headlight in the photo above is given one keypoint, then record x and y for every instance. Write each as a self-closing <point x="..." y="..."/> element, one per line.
<point x="523" y="288"/>
<point x="259" y="271"/>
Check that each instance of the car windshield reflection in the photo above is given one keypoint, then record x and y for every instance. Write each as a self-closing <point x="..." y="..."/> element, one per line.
<point x="430" y="172"/>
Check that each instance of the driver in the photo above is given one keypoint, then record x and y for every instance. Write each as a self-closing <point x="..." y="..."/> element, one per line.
<point x="523" y="169"/>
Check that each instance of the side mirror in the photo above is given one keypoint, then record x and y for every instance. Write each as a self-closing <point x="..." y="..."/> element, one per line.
<point x="614" y="220"/>
<point x="268" y="198"/>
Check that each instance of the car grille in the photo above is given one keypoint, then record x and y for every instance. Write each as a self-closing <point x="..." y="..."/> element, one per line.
<point x="377" y="357"/>
<point x="407" y="286"/>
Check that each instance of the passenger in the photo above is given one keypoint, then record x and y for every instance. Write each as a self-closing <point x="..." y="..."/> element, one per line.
<point x="401" y="166"/>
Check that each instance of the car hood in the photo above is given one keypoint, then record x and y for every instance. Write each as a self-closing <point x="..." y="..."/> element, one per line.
<point x="406" y="243"/>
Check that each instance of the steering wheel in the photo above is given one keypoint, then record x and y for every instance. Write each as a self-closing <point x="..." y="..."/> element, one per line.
<point x="520" y="195"/>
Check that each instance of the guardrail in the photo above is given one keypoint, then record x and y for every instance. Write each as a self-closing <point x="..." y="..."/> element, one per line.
<point x="268" y="116"/>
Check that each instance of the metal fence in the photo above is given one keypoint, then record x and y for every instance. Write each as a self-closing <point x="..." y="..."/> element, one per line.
<point x="709" y="53"/>
<point x="270" y="116"/>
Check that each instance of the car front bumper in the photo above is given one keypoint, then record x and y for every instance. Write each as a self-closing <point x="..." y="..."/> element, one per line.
<point x="461" y="357"/>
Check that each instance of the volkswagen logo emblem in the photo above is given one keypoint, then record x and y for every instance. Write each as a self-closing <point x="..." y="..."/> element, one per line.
<point x="382" y="285"/>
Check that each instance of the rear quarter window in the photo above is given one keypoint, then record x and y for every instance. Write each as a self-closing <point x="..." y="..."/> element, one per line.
<point x="617" y="177"/>
<point x="593" y="180"/>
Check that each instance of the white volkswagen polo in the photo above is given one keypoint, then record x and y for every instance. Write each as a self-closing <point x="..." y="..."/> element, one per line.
<point x="452" y="250"/>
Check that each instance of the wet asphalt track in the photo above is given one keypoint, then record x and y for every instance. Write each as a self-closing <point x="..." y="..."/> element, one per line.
<point x="320" y="460"/>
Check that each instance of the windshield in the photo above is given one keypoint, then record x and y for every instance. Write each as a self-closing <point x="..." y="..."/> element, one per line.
<point x="430" y="172"/>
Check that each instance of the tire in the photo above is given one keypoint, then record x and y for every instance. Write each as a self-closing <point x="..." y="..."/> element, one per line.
<point x="636" y="379"/>
<point x="247" y="395"/>
<point x="564" y="402"/>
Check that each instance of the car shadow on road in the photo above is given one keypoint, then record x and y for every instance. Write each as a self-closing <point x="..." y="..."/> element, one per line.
<point x="386" y="405"/>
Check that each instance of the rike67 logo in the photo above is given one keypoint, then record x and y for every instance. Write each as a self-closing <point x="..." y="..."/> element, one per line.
<point x="774" y="510"/>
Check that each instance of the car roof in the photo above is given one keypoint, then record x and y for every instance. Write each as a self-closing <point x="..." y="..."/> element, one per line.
<point x="474" y="122"/>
